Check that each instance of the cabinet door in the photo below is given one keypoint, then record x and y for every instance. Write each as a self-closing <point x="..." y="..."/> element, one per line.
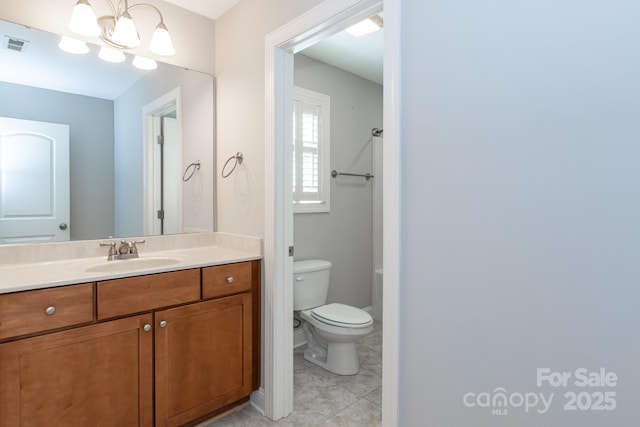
<point x="203" y="358"/>
<point x="98" y="375"/>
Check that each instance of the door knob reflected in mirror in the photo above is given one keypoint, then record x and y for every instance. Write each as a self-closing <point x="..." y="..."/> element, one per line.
<point x="63" y="226"/>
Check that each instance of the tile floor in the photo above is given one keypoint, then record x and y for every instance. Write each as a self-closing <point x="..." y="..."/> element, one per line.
<point x="325" y="399"/>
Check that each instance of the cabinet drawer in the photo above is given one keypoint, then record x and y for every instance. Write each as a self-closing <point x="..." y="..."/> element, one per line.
<point x="226" y="279"/>
<point x="44" y="309"/>
<point x="121" y="297"/>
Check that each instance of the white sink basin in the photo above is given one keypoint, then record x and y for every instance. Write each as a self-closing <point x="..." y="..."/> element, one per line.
<point x="133" y="264"/>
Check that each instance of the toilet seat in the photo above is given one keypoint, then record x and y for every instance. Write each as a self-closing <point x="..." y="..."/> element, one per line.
<point x="342" y="315"/>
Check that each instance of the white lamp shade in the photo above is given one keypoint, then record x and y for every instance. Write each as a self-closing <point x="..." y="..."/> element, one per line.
<point x="71" y="45"/>
<point x="125" y="33"/>
<point x="111" y="55"/>
<point x="161" y="43"/>
<point x="83" y="20"/>
<point x="144" y="63"/>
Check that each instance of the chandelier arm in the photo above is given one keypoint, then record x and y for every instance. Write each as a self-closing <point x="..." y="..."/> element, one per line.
<point x="113" y="8"/>
<point x="146" y="4"/>
<point x="121" y="9"/>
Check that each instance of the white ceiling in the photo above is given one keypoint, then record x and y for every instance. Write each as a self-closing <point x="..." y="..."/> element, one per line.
<point x="361" y="56"/>
<point x="210" y="8"/>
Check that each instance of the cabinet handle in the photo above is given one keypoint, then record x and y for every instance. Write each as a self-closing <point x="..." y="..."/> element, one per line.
<point x="163" y="324"/>
<point x="230" y="279"/>
<point x="50" y="310"/>
<point x="147" y="327"/>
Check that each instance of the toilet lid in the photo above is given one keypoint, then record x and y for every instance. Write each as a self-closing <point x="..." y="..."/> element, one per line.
<point x="342" y="315"/>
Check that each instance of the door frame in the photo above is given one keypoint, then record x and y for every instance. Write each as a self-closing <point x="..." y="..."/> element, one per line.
<point x="329" y="17"/>
<point x="149" y="128"/>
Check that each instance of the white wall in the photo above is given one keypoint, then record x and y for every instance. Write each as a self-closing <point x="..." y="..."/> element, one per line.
<point x="239" y="47"/>
<point x="343" y="236"/>
<point x="520" y="207"/>
<point x="189" y="31"/>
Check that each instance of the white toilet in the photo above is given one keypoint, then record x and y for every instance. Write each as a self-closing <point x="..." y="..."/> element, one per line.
<point x="331" y="330"/>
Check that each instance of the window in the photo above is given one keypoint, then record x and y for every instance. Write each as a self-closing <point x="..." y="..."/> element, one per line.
<point x="310" y="151"/>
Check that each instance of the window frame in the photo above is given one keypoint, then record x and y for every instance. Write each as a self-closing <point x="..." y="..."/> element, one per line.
<point x="323" y="103"/>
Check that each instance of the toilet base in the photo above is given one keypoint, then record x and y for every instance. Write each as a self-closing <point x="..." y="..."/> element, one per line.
<point x="341" y="358"/>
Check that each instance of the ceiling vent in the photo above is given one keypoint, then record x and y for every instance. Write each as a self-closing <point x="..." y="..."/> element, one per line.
<point x="15" y="44"/>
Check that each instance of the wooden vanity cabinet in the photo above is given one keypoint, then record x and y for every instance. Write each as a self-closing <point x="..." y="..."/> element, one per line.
<point x="122" y="297"/>
<point x="227" y="279"/>
<point x="208" y="353"/>
<point x="203" y="358"/>
<point x="99" y="375"/>
<point x="163" y="349"/>
<point x="28" y="312"/>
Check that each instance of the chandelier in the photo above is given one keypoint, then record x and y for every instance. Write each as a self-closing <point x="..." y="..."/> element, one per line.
<point x="119" y="30"/>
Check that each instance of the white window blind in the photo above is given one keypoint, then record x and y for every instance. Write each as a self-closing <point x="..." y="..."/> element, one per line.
<point x="310" y="151"/>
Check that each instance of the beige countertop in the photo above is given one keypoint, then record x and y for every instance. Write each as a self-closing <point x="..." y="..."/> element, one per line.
<point x="35" y="274"/>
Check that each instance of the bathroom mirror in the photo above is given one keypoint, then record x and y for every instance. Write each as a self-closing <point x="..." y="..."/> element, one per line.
<point x="114" y="112"/>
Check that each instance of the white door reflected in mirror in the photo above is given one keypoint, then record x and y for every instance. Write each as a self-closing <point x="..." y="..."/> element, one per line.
<point x="34" y="181"/>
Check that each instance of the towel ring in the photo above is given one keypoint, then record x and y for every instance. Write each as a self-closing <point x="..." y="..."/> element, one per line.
<point x="238" y="157"/>
<point x="195" y="166"/>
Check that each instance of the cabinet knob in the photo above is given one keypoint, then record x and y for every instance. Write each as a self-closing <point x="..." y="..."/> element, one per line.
<point x="230" y="279"/>
<point x="50" y="310"/>
<point x="147" y="327"/>
<point x="163" y="324"/>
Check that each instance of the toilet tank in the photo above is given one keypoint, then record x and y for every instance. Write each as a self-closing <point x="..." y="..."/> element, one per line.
<point x="310" y="283"/>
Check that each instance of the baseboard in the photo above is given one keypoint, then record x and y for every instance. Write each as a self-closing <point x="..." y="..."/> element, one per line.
<point x="257" y="400"/>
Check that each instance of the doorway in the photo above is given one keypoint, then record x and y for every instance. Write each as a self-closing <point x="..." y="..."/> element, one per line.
<point x="325" y="19"/>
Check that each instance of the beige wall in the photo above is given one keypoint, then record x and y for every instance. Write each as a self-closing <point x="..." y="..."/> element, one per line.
<point x="240" y="41"/>
<point x="189" y="31"/>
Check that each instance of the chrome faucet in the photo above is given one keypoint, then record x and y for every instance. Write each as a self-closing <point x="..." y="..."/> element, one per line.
<point x="126" y="250"/>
